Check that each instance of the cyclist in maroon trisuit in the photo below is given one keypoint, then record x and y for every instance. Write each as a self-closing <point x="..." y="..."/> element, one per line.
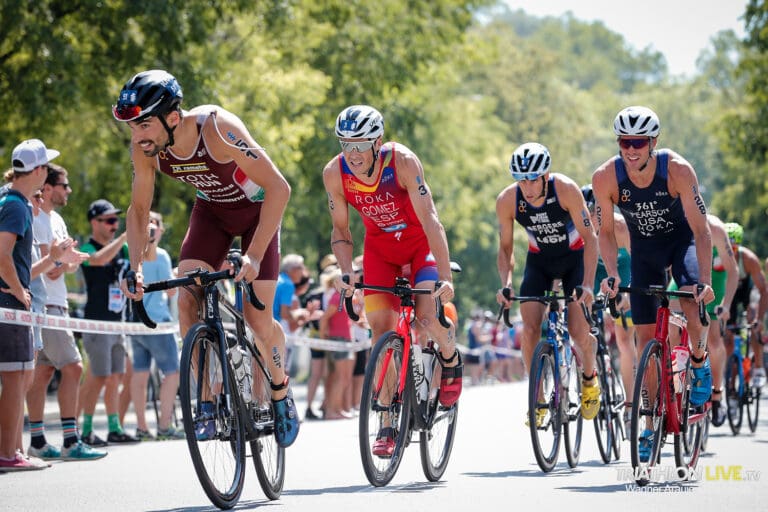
<point x="240" y="192"/>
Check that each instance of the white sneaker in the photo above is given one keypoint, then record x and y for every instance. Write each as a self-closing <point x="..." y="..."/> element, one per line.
<point x="758" y="377"/>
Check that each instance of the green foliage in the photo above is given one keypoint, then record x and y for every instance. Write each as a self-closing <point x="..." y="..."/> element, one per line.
<point x="460" y="82"/>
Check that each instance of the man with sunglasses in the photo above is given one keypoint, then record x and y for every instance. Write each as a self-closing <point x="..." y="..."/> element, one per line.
<point x="561" y="246"/>
<point x="385" y="183"/>
<point x="240" y="193"/>
<point x="103" y="271"/>
<point x="658" y="194"/>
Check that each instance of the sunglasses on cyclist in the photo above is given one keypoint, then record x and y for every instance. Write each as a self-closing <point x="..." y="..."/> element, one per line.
<point x="526" y="176"/>
<point x="634" y="143"/>
<point x="111" y="221"/>
<point x="358" y="145"/>
<point x="130" y="111"/>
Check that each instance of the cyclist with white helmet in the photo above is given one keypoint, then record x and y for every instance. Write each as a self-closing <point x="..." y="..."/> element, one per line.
<point x="750" y="276"/>
<point x="240" y="193"/>
<point x="658" y="193"/>
<point x="385" y="183"/>
<point x="561" y="245"/>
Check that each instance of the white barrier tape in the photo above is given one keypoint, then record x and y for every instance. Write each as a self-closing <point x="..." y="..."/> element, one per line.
<point x="498" y="350"/>
<point x="331" y="345"/>
<point x="61" y="323"/>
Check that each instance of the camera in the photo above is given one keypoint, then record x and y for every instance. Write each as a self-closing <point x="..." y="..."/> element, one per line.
<point x="152" y="232"/>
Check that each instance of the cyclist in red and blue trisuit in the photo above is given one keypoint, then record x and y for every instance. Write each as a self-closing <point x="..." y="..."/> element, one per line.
<point x="240" y="192"/>
<point x="658" y="194"/>
<point x="561" y="245"/>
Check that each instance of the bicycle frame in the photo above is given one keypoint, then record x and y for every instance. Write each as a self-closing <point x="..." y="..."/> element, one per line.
<point x="673" y="418"/>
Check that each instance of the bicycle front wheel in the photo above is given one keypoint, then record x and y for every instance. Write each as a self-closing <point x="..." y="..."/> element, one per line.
<point x="734" y="393"/>
<point x="436" y="443"/>
<point x="543" y="408"/>
<point x="384" y="412"/>
<point x="648" y="414"/>
<point x="215" y="433"/>
<point x="572" y="419"/>
<point x="268" y="457"/>
<point x="603" y="421"/>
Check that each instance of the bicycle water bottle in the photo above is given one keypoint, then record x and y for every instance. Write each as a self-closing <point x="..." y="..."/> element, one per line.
<point x="418" y="374"/>
<point x="241" y="362"/>
<point x="680" y="355"/>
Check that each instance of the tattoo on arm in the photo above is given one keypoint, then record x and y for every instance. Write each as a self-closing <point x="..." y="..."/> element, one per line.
<point x="599" y="212"/>
<point x="699" y="202"/>
<point x="422" y="187"/>
<point x="585" y="218"/>
<point x="276" y="357"/>
<point x="330" y="201"/>
<point x="243" y="146"/>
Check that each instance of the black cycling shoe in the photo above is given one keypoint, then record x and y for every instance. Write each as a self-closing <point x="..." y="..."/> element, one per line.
<point x="121" y="438"/>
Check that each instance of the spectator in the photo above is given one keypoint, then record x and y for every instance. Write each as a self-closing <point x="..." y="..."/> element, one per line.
<point x="318" y="366"/>
<point x="283" y="309"/>
<point x="16" y="350"/>
<point x="160" y="347"/>
<point x="103" y="272"/>
<point x="59" y="351"/>
<point x="335" y="325"/>
<point x="361" y="333"/>
<point x="477" y="339"/>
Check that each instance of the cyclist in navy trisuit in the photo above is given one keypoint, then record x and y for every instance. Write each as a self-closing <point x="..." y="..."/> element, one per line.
<point x="658" y="194"/>
<point x="240" y="192"/>
<point x="561" y="245"/>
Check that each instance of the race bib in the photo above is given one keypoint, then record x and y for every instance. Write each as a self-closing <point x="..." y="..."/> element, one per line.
<point x="116" y="299"/>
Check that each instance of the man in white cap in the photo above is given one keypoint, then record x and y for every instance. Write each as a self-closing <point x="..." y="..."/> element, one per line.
<point x="16" y="351"/>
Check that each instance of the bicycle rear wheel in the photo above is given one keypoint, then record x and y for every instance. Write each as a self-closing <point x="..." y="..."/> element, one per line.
<point x="382" y="407"/>
<point x="219" y="456"/>
<point x="688" y="441"/>
<point x="648" y="414"/>
<point x="734" y="391"/>
<point x="618" y="396"/>
<point x="268" y="457"/>
<point x="753" y="403"/>
<point x="604" y="421"/>
<point x="571" y="413"/>
<point x="436" y="443"/>
<point x="544" y="417"/>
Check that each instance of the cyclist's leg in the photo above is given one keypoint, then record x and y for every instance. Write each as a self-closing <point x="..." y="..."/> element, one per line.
<point x="625" y="341"/>
<point x="535" y="282"/>
<point x="685" y="270"/>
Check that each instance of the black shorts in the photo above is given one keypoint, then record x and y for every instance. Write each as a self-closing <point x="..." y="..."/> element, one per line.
<point x="361" y="358"/>
<point x="15" y="340"/>
<point x="650" y="259"/>
<point x="541" y="271"/>
<point x="741" y="298"/>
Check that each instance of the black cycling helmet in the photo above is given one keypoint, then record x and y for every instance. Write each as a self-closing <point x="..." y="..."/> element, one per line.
<point x="149" y="93"/>
<point x="589" y="196"/>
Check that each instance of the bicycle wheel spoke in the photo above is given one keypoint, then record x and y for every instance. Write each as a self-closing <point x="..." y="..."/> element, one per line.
<point x="647" y="425"/>
<point x="268" y="457"/>
<point x="543" y="409"/>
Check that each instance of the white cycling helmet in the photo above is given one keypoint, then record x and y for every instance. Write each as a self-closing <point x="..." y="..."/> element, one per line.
<point x="529" y="161"/>
<point x="359" y="122"/>
<point x="637" y="120"/>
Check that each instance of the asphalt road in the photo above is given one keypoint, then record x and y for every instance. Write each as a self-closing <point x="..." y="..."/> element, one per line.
<point x="492" y="468"/>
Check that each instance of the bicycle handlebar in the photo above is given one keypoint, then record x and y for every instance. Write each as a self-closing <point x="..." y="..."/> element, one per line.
<point x="401" y="289"/>
<point x="199" y="277"/>
<point x="544" y="299"/>
<point x="660" y="292"/>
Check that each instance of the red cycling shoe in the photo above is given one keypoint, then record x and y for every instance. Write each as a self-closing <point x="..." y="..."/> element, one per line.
<point x="449" y="393"/>
<point x="384" y="446"/>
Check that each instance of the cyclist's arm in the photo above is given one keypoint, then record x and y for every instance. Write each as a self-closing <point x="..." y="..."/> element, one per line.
<point x="725" y="251"/>
<point x="341" y="236"/>
<point x="752" y="267"/>
<point x="137" y="215"/>
<point x="505" y="214"/>
<point x="232" y="141"/>
<point x="622" y="232"/>
<point x="604" y="187"/>
<point x="410" y="174"/>
<point x="572" y="200"/>
<point x="683" y="182"/>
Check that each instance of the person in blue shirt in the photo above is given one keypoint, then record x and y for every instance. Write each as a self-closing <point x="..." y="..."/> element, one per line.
<point x="160" y="347"/>
<point x="16" y="350"/>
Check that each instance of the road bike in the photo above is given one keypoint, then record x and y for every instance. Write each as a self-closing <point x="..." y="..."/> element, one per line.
<point x="609" y="423"/>
<point x="401" y="392"/>
<point x="224" y="403"/>
<point x="739" y="391"/>
<point x="554" y="386"/>
<point x="661" y="401"/>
